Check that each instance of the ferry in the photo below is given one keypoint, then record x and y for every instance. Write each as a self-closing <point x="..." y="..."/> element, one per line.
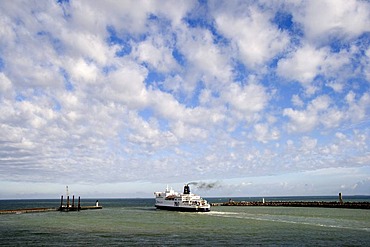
<point x="186" y="201"/>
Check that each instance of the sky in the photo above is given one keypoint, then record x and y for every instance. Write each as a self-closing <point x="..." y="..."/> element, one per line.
<point x="117" y="99"/>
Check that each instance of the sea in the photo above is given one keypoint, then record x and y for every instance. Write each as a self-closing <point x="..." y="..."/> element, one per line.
<point x="136" y="222"/>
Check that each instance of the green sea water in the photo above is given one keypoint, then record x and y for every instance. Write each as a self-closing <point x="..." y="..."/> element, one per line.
<point x="135" y="222"/>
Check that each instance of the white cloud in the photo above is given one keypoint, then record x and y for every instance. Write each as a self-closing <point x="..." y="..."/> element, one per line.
<point x="302" y="121"/>
<point x="296" y="100"/>
<point x="320" y="103"/>
<point x="90" y="46"/>
<point x="183" y="131"/>
<point x="5" y="85"/>
<point x="332" y="118"/>
<point x="357" y="110"/>
<point x="336" y="86"/>
<point x="175" y="11"/>
<point x="126" y="86"/>
<point x="264" y="134"/>
<point x="255" y="38"/>
<point x="156" y="54"/>
<point x="148" y="134"/>
<point x="323" y="20"/>
<point x="167" y="106"/>
<point x="306" y="63"/>
<point x="248" y="100"/>
<point x="359" y="188"/>
<point x="308" y="144"/>
<point x="206" y="61"/>
<point x="89" y="16"/>
<point x="80" y="70"/>
<point x="174" y="84"/>
<point x="367" y="64"/>
<point x="7" y="33"/>
<point x="306" y="120"/>
<point x="198" y="91"/>
<point x="303" y="65"/>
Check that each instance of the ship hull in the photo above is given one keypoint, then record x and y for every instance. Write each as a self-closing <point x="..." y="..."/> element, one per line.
<point x="183" y="209"/>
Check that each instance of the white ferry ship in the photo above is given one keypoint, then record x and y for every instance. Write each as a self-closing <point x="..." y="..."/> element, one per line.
<point x="171" y="200"/>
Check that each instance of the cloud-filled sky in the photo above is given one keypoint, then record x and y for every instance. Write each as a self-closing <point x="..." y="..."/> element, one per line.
<point x="120" y="98"/>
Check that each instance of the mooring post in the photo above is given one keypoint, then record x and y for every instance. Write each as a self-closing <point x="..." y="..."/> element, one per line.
<point x="73" y="201"/>
<point x="61" y="203"/>
<point x="67" y="203"/>
<point x="79" y="204"/>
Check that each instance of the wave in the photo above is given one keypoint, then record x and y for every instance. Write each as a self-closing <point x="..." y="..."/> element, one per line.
<point x="301" y="220"/>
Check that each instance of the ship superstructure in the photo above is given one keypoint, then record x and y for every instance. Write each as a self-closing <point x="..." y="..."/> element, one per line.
<point x="186" y="201"/>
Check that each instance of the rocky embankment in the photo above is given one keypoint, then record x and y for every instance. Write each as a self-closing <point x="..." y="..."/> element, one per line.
<point x="356" y="205"/>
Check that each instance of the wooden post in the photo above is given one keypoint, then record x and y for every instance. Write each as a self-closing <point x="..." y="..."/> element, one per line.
<point x="73" y="201"/>
<point x="79" y="204"/>
<point x="67" y="203"/>
<point x="61" y="203"/>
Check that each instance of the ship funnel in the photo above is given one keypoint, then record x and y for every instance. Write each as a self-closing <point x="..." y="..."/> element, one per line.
<point x="186" y="189"/>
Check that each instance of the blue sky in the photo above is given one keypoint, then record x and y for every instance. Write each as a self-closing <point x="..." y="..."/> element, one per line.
<point x="121" y="98"/>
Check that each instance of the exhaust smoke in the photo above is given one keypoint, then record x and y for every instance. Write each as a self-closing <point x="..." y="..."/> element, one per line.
<point x="204" y="185"/>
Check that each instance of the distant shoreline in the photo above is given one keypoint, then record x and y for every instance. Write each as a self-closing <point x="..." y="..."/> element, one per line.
<point x="18" y="206"/>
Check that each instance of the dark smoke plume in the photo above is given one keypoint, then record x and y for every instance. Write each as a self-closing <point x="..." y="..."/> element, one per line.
<point x="207" y="186"/>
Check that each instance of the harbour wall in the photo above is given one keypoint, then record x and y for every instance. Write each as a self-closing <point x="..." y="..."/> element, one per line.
<point x="40" y="210"/>
<point x="62" y="208"/>
<point x="324" y="204"/>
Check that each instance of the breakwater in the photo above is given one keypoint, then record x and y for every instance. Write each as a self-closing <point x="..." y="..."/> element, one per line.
<point x="62" y="208"/>
<point x="40" y="210"/>
<point x="334" y="204"/>
<point x="27" y="210"/>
